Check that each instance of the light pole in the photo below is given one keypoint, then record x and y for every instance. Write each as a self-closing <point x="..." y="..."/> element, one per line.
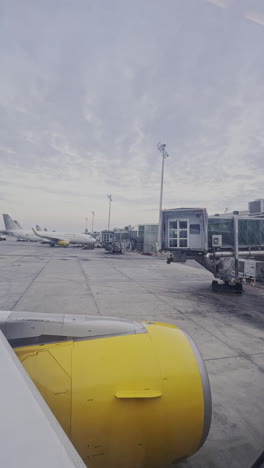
<point x="164" y="154"/>
<point x="109" y="213"/>
<point x="93" y="213"/>
<point x="86" y="224"/>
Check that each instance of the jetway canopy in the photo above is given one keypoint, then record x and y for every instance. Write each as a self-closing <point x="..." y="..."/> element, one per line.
<point x="250" y="231"/>
<point x="184" y="228"/>
<point x="190" y="229"/>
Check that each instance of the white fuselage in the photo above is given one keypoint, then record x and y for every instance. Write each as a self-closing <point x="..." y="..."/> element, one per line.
<point x="50" y="237"/>
<point x="72" y="238"/>
<point x="21" y="234"/>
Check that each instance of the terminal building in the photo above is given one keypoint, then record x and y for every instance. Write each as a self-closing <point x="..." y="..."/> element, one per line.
<point x="143" y="238"/>
<point x="126" y="237"/>
<point x="147" y="235"/>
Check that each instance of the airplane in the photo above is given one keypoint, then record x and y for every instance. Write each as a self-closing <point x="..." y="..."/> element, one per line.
<point x="39" y="228"/>
<point x="7" y="232"/>
<point x="124" y="393"/>
<point x="12" y="229"/>
<point x="64" y="239"/>
<point x="18" y="225"/>
<point x="4" y="232"/>
<point x="52" y="238"/>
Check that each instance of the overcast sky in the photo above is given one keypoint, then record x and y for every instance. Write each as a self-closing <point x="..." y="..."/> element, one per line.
<point x="88" y="89"/>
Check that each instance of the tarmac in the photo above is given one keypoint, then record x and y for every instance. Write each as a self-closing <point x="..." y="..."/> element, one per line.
<point x="228" y="328"/>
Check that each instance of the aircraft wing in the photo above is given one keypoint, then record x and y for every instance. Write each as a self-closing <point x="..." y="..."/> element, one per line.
<point x="30" y="435"/>
<point x="50" y="238"/>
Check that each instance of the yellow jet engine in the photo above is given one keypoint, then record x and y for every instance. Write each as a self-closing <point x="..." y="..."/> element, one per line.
<point x="127" y="394"/>
<point x="64" y="243"/>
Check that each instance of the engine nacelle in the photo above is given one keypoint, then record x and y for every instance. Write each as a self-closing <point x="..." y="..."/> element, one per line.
<point x="64" y="243"/>
<point x="128" y="394"/>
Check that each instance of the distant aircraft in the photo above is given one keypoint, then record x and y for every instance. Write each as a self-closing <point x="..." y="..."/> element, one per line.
<point x="64" y="239"/>
<point x="13" y="229"/>
<point x="4" y="232"/>
<point x="7" y="232"/>
<point x="18" y="225"/>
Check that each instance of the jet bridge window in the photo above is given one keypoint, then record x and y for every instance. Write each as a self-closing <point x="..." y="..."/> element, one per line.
<point x="178" y="233"/>
<point x="183" y="225"/>
<point x="195" y="228"/>
<point x="173" y="233"/>
<point x="183" y="233"/>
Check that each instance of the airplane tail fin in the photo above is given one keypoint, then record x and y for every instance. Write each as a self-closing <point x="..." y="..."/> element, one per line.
<point x="10" y="225"/>
<point x="38" y="228"/>
<point x="45" y="229"/>
<point x="18" y="225"/>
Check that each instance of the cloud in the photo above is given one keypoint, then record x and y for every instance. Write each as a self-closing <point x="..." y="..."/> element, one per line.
<point x="256" y="18"/>
<point x="87" y="93"/>
<point x="41" y="188"/>
<point x="218" y="3"/>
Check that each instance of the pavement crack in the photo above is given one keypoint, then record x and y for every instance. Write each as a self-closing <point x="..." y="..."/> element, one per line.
<point x="29" y="285"/>
<point x="88" y="285"/>
<point x="241" y="355"/>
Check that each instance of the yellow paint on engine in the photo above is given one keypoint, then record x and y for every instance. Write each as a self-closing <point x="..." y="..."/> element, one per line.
<point x="50" y="369"/>
<point x="63" y="243"/>
<point x="128" y="401"/>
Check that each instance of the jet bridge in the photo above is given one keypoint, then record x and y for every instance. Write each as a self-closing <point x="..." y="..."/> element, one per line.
<point x="184" y="230"/>
<point x="109" y="242"/>
<point x="231" y="247"/>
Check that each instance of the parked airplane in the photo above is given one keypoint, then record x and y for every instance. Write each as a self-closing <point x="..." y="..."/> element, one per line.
<point x="18" y="225"/>
<point x="64" y="239"/>
<point x="6" y="232"/>
<point x="12" y="229"/>
<point x="39" y="228"/>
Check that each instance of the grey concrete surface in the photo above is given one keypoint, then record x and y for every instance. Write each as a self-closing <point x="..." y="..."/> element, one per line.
<point x="228" y="328"/>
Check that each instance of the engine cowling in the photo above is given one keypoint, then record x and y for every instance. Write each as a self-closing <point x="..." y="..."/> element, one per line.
<point x="63" y="243"/>
<point x="134" y="398"/>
